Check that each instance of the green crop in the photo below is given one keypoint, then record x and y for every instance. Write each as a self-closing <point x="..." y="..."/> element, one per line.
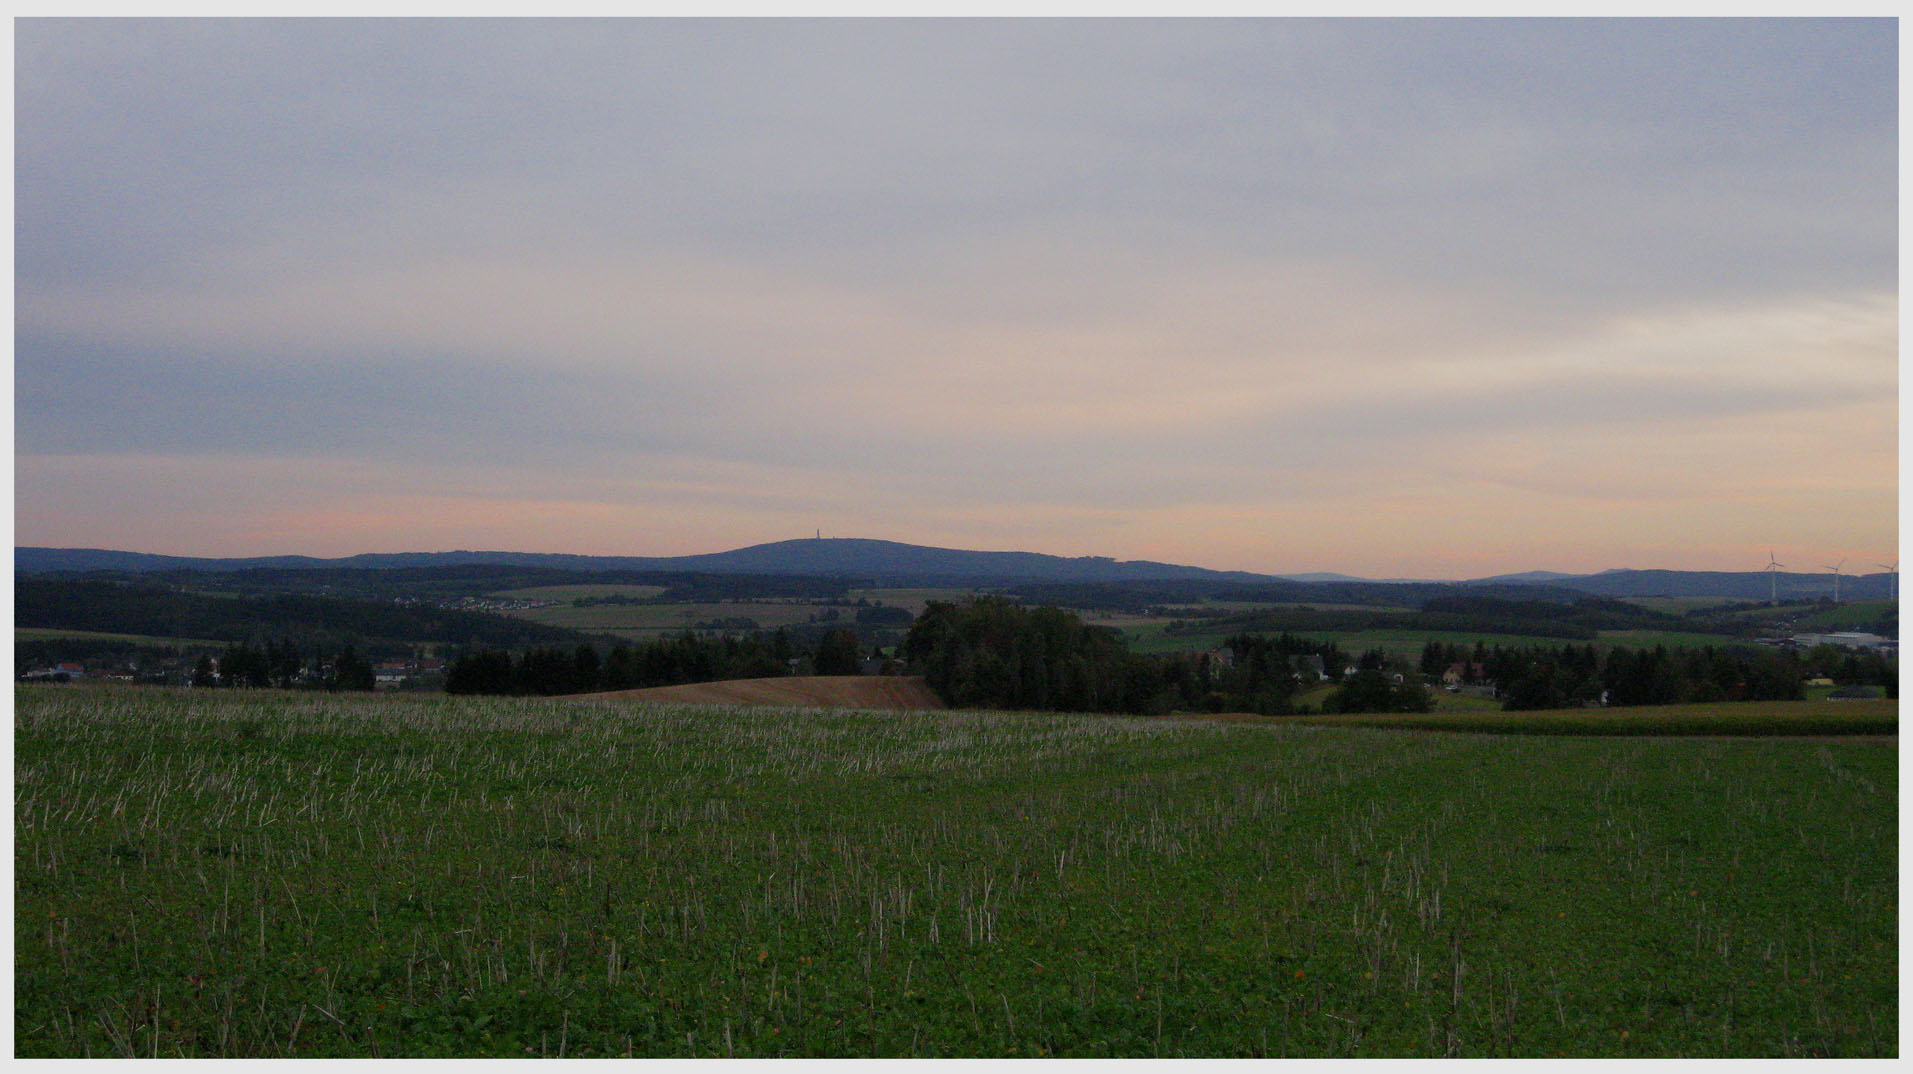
<point x="274" y="874"/>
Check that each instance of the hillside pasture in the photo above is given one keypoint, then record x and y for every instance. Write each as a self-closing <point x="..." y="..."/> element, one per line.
<point x="642" y="622"/>
<point x="581" y="592"/>
<point x="1672" y="639"/>
<point x="262" y="874"/>
<point x="1859" y="615"/>
<point x="21" y="634"/>
<point x="1879" y="719"/>
<point x="914" y="600"/>
<point x="874" y="692"/>
<point x="1150" y="636"/>
<point x="1677" y="605"/>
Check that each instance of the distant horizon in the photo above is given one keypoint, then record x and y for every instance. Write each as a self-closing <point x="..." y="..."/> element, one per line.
<point x="1851" y="570"/>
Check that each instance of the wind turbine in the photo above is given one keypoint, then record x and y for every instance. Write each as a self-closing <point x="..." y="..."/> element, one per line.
<point x="1836" y="579"/>
<point x="1892" y="579"/>
<point x="1773" y="590"/>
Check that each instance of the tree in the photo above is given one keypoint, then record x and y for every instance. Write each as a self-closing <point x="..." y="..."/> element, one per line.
<point x="352" y="673"/>
<point x="838" y="653"/>
<point x="585" y="668"/>
<point x="486" y="672"/>
<point x="282" y="663"/>
<point x="1373" y="690"/>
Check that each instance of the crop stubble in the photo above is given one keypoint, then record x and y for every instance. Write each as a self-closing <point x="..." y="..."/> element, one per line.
<point x="266" y="874"/>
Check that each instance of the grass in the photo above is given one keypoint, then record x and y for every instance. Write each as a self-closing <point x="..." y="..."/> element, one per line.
<point x="1678" y="605"/>
<point x="913" y="600"/>
<point x="640" y="622"/>
<point x="1149" y="636"/>
<point x="266" y="874"/>
<point x="1855" y="616"/>
<point x="1673" y="639"/>
<point x="1772" y="718"/>
<point x="21" y="634"/>
<point x="1461" y="702"/>
<point x="575" y="592"/>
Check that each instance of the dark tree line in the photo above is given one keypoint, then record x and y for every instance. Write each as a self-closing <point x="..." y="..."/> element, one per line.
<point x="130" y="608"/>
<point x="994" y="653"/>
<point x="1544" y="677"/>
<point x="280" y="664"/>
<point x="1579" y="620"/>
<point x="668" y="661"/>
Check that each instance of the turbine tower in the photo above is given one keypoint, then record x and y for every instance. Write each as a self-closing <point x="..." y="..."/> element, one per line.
<point x="1836" y="579"/>
<point x="1892" y="580"/>
<point x="1773" y="590"/>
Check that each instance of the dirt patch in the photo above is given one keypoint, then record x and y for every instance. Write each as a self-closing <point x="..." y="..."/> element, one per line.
<point x="807" y="691"/>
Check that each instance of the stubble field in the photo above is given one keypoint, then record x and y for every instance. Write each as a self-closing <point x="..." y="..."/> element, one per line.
<point x="266" y="874"/>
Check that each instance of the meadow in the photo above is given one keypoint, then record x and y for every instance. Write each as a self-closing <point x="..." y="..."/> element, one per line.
<point x="644" y="622"/>
<point x="254" y="873"/>
<point x="1151" y="636"/>
<point x="31" y="634"/>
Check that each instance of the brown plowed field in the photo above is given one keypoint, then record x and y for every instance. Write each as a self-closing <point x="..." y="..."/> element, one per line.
<point x="811" y="691"/>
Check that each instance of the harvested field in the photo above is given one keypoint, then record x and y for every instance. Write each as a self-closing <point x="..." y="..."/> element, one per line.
<point x="276" y="874"/>
<point x="809" y="691"/>
<point x="1875" y="722"/>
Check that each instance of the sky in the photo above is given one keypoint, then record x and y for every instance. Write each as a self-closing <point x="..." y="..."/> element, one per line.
<point x="1393" y="298"/>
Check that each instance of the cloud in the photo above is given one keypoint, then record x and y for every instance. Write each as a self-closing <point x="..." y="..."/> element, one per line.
<point x="1096" y="280"/>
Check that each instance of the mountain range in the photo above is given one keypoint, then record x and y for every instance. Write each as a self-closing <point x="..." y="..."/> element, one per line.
<point x="897" y="563"/>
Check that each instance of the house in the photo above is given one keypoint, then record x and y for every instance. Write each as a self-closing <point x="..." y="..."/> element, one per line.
<point x="1846" y="639"/>
<point x="1459" y="673"/>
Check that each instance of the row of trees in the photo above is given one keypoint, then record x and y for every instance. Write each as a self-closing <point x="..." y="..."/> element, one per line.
<point x="317" y="622"/>
<point x="1266" y="673"/>
<point x="281" y="664"/>
<point x="993" y="653"/>
<point x="1543" y="677"/>
<point x="667" y="661"/>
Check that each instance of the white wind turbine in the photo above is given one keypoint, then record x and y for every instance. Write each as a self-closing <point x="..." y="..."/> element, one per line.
<point x="1773" y="589"/>
<point x="1836" y="579"/>
<point x="1892" y="580"/>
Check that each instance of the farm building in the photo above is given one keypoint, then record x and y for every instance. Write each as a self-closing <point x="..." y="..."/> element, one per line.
<point x="1847" y="639"/>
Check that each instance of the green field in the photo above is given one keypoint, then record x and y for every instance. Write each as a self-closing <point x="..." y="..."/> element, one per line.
<point x="1677" y="605"/>
<point x="275" y="874"/>
<point x="1857" y="616"/>
<point x="913" y="600"/>
<point x="575" y="592"/>
<point x="21" y="634"/>
<point x="1149" y="636"/>
<point x="640" y="622"/>
<point x="1748" y="718"/>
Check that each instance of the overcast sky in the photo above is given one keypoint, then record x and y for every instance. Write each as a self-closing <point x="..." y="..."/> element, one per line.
<point x="1392" y="298"/>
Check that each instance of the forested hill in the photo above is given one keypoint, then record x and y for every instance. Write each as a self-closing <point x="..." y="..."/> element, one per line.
<point x="1733" y="585"/>
<point x="882" y="561"/>
<point x="897" y="564"/>
<point x="134" y="609"/>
